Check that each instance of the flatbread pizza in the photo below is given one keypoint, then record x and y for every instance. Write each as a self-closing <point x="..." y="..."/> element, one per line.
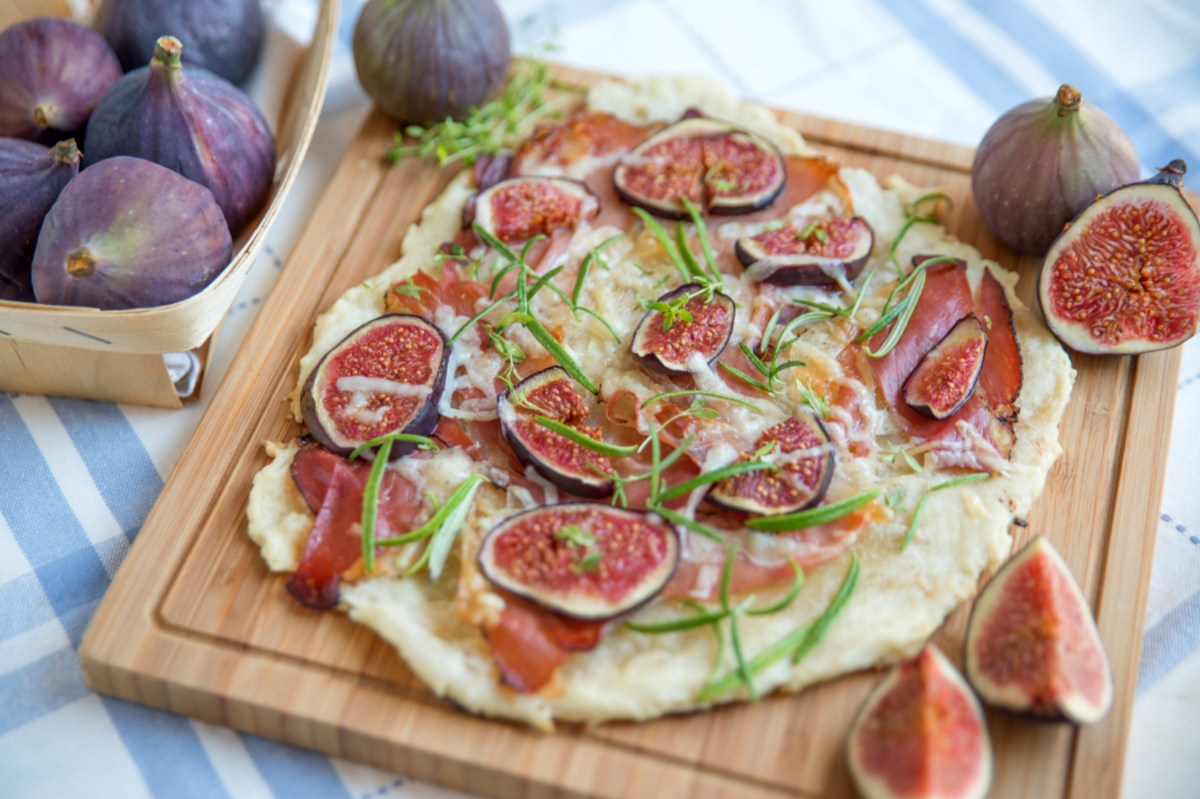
<point x="663" y="410"/>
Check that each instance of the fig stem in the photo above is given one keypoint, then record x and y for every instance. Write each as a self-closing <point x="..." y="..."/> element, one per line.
<point x="1171" y="174"/>
<point x="66" y="152"/>
<point x="1068" y="100"/>
<point x="81" y="263"/>
<point x="168" y="52"/>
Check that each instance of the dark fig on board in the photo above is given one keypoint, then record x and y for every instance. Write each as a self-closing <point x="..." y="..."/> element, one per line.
<point x="1043" y="162"/>
<point x="921" y="734"/>
<point x="683" y="327"/>
<point x="189" y="120"/>
<point x="1124" y="277"/>
<point x="223" y="36"/>
<point x="423" y="61"/>
<point x="521" y="208"/>
<point x="816" y="254"/>
<point x="385" y="376"/>
<point x="569" y="465"/>
<point x="31" y="178"/>
<point x="804" y="456"/>
<point x="1032" y="645"/>
<point x="945" y="378"/>
<point x="714" y="164"/>
<point x="54" y="73"/>
<point x="129" y="234"/>
<point x="583" y="560"/>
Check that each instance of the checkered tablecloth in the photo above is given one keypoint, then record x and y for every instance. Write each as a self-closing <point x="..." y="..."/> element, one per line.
<point x="78" y="477"/>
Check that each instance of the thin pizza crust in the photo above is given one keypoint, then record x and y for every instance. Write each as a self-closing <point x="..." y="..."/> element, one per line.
<point x="902" y="596"/>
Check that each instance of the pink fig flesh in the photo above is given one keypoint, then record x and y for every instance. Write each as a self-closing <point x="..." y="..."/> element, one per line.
<point x="699" y="328"/>
<point x="816" y="254"/>
<point x="520" y="208"/>
<point x="946" y="377"/>
<point x="805" y="460"/>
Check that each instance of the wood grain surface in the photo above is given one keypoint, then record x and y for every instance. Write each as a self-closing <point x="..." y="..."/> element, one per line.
<point x="194" y="622"/>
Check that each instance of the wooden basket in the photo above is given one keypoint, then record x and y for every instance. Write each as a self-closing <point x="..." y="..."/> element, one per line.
<point x="117" y="355"/>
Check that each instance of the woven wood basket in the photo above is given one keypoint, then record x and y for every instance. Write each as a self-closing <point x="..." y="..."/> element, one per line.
<point x="117" y="355"/>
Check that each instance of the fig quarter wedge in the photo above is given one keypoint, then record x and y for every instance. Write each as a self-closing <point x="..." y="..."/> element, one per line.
<point x="1032" y="645"/>
<point x="580" y="559"/>
<point x="921" y="734"/>
<point x="386" y="376"/>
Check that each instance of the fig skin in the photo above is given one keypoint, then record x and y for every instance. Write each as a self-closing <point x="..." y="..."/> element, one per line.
<point x="223" y="36"/>
<point x="31" y="178"/>
<point x="194" y="122"/>
<point x="55" y="72"/>
<point x="129" y="234"/>
<point x="423" y="421"/>
<point x="1043" y="162"/>
<point x="1151" y="289"/>
<point x="922" y="707"/>
<point x="552" y="552"/>
<point x="1056" y="642"/>
<point x="422" y="61"/>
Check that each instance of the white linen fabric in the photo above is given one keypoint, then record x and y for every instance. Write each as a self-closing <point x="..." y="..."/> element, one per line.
<point x="78" y="477"/>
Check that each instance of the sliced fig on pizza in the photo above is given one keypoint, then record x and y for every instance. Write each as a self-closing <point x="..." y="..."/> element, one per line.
<point x="814" y="254"/>
<point x="804" y="457"/>
<point x="529" y="412"/>
<point x="580" y="559"/>
<point x="711" y="163"/>
<point x="520" y="208"/>
<point x="386" y="376"/>
<point x="683" y="326"/>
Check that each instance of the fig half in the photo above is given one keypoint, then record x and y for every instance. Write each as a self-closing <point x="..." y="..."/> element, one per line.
<point x="921" y="734"/>
<point x="683" y="325"/>
<point x="813" y="255"/>
<point x="570" y="466"/>
<point x="521" y="208"/>
<point x="1124" y="277"/>
<point x="1032" y="645"/>
<point x="386" y="376"/>
<point x="582" y="560"/>
<point x="712" y="163"/>
<point x="945" y="378"/>
<point x="805" y="460"/>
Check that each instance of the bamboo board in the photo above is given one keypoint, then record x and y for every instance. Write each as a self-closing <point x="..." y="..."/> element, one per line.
<point x="195" y="624"/>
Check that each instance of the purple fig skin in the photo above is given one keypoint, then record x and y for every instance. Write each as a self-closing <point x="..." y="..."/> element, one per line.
<point x="54" y="73"/>
<point x="223" y="36"/>
<point x="127" y="233"/>
<point x="1043" y="162"/>
<point x="194" y="122"/>
<point x="424" y="60"/>
<point x="31" y="178"/>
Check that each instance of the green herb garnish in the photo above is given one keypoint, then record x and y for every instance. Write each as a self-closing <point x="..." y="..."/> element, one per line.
<point x="441" y="529"/>
<point x="584" y="440"/>
<point x="916" y="517"/>
<point x="822" y="514"/>
<point x="593" y="257"/>
<point x="487" y="129"/>
<point x="734" y="398"/>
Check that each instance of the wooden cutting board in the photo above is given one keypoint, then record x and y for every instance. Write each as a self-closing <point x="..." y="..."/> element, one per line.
<point x="195" y="624"/>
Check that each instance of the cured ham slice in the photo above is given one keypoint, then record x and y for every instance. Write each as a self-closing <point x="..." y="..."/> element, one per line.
<point x="528" y="644"/>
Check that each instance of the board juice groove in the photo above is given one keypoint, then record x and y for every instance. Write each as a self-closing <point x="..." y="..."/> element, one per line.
<point x="194" y="623"/>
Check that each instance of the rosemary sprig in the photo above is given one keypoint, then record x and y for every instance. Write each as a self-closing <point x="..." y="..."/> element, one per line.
<point x="796" y="644"/>
<point x="715" y="476"/>
<point x="443" y="528"/>
<point x="370" y="501"/>
<point x="974" y="477"/>
<point x="595" y="445"/>
<point x="486" y="129"/>
<point x="822" y="514"/>
<point x="734" y="398"/>
<point x="593" y="257"/>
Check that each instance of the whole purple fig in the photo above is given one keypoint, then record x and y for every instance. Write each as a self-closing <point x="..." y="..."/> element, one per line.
<point x="189" y="120"/>
<point x="222" y="36"/>
<point x="127" y="233"/>
<point x="425" y="60"/>
<point x="31" y="177"/>
<point x="54" y="73"/>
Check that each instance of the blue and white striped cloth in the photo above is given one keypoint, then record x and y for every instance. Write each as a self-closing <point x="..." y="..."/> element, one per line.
<point x="78" y="477"/>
